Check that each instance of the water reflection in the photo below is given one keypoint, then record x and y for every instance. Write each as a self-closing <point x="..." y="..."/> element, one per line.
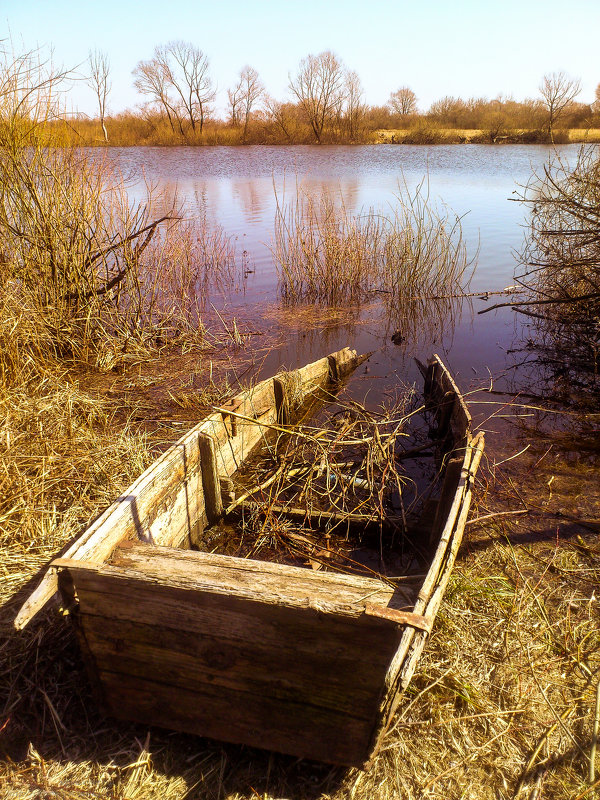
<point x="234" y="188"/>
<point x="252" y="199"/>
<point x="428" y="321"/>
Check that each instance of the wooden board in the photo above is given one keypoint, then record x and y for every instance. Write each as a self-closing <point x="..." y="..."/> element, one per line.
<point x="447" y="403"/>
<point x="166" y="503"/>
<point x="249" y="652"/>
<point x="456" y="499"/>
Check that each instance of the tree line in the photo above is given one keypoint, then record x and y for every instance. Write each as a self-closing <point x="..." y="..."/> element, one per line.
<point x="325" y="104"/>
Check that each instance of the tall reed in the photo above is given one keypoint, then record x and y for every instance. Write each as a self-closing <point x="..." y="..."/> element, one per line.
<point x="325" y="254"/>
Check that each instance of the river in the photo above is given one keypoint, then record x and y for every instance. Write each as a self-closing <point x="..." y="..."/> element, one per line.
<point x="236" y="188"/>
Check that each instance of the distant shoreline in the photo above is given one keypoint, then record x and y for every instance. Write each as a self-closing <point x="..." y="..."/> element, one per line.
<point x="409" y="136"/>
<point x="427" y="135"/>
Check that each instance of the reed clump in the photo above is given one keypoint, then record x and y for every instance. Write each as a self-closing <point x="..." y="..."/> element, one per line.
<point x="323" y="253"/>
<point x="101" y="271"/>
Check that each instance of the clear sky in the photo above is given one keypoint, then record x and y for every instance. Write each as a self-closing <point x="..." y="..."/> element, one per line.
<point x="437" y="47"/>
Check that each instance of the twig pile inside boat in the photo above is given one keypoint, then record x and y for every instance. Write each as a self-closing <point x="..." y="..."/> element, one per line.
<point x="317" y="491"/>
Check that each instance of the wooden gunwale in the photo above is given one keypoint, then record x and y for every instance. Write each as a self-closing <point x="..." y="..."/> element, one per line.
<point x="224" y="442"/>
<point x="454" y="423"/>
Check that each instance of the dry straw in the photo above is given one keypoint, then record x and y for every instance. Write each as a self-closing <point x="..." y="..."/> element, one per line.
<point x="324" y="253"/>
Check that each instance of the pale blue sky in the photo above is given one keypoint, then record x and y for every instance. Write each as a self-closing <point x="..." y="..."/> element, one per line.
<point x="437" y="47"/>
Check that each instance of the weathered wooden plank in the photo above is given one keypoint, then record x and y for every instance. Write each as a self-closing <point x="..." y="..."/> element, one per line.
<point x="261" y="580"/>
<point x="254" y="401"/>
<point x="342" y="363"/>
<point x="239" y="656"/>
<point x="213" y="664"/>
<point x="404" y="662"/>
<point x="161" y="505"/>
<point x="211" y="487"/>
<point x="235" y="620"/>
<point x="340" y="740"/>
<point x="451" y="409"/>
<point x="452" y="476"/>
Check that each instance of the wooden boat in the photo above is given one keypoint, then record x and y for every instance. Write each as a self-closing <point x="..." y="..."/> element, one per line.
<point x="288" y="659"/>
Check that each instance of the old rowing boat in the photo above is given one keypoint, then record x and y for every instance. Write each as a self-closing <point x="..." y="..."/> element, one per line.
<point x="310" y="663"/>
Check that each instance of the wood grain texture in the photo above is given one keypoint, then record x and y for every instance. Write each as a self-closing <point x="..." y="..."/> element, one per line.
<point x="277" y="656"/>
<point x="281" y="727"/>
<point x="165" y="505"/>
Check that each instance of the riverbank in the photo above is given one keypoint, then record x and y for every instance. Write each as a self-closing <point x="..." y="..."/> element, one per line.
<point x="503" y="700"/>
<point x="440" y="135"/>
<point x="131" y="130"/>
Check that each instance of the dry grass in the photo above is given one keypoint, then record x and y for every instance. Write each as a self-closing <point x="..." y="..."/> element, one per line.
<point x="324" y="254"/>
<point x="502" y="702"/>
<point x="427" y="132"/>
<point x="584" y="135"/>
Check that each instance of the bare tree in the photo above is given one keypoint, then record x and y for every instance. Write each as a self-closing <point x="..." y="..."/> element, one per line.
<point x="191" y="81"/>
<point x="282" y="115"/>
<point x="558" y="91"/>
<point x="98" y="80"/>
<point x="151" y="79"/>
<point x="354" y="108"/>
<point x="403" y="101"/>
<point x="252" y="89"/>
<point x="448" y="109"/>
<point x="235" y="101"/>
<point x="319" y="86"/>
<point x="596" y="103"/>
<point x="176" y="78"/>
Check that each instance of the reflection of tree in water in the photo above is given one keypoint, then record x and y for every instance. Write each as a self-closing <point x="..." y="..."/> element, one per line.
<point x="346" y="194"/>
<point x="198" y="199"/>
<point x="408" y="322"/>
<point x="546" y="360"/>
<point x="254" y="198"/>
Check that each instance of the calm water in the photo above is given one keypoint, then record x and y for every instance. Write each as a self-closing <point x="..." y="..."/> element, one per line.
<point x="236" y="187"/>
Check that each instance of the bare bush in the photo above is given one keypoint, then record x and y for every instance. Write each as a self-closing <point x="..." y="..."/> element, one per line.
<point x="562" y="260"/>
<point x="91" y="264"/>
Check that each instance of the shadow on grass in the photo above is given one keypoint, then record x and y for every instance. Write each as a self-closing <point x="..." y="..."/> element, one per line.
<point x="54" y="738"/>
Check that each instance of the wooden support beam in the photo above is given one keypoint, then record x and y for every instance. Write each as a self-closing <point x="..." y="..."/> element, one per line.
<point x="213" y="505"/>
<point x="316" y="518"/>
